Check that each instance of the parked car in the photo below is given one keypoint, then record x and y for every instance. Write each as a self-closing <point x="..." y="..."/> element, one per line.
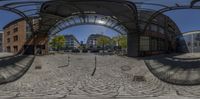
<point x="76" y="51"/>
<point x="67" y="51"/>
<point x="95" y="50"/>
<point x="85" y="50"/>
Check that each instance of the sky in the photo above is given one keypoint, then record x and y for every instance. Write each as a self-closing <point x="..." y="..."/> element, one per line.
<point x="82" y="32"/>
<point x="187" y="20"/>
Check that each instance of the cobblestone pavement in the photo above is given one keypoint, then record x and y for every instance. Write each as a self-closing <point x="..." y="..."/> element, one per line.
<point x="3" y="54"/>
<point x="189" y="55"/>
<point x="176" y="68"/>
<point x="115" y="76"/>
<point x="11" y="68"/>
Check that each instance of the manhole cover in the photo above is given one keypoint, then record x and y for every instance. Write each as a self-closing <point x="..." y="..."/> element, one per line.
<point x="125" y="68"/>
<point x="38" y="67"/>
<point x="139" y="78"/>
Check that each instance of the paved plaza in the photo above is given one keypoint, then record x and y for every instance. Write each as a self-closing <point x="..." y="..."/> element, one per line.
<point x="4" y="54"/>
<point x="115" y="77"/>
<point x="180" y="69"/>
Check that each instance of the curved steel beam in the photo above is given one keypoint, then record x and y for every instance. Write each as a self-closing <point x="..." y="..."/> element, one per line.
<point x="29" y="10"/>
<point x="150" y="20"/>
<point x="87" y="24"/>
<point x="18" y="13"/>
<point x="154" y="4"/>
<point x="87" y="20"/>
<point x="129" y="4"/>
<point x="25" y="5"/>
<point x="24" y="2"/>
<point x="161" y="11"/>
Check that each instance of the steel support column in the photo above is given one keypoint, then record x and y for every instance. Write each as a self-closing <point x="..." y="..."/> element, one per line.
<point x="133" y="43"/>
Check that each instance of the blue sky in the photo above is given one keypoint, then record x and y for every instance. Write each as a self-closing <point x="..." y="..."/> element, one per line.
<point x="6" y="17"/>
<point x="187" y="20"/>
<point x="83" y="31"/>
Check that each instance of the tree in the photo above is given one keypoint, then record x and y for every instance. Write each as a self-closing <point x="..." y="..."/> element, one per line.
<point x="115" y="40"/>
<point x="123" y="41"/>
<point x="102" y="41"/>
<point x="120" y="42"/>
<point x="58" y="42"/>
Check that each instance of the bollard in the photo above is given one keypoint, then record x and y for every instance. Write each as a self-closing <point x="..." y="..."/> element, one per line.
<point x="95" y="66"/>
<point x="68" y="60"/>
<point x="68" y="63"/>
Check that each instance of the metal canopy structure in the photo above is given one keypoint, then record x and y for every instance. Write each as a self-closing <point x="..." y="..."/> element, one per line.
<point x="32" y="8"/>
<point x="110" y="12"/>
<point x="93" y="19"/>
<point x="120" y="15"/>
<point x="26" y="9"/>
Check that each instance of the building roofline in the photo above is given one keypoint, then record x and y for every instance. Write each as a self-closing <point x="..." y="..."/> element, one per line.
<point x="191" y="31"/>
<point x="15" y="21"/>
<point x="73" y="37"/>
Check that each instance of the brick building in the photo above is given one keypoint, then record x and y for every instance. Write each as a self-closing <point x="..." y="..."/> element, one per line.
<point x="17" y="36"/>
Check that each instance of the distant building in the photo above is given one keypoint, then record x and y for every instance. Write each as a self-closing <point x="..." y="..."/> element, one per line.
<point x="92" y="40"/>
<point x="71" y="42"/>
<point x="190" y="41"/>
<point x="1" y="41"/>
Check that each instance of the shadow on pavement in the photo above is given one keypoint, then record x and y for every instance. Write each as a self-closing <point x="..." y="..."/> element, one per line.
<point x="175" y="70"/>
<point x="12" y="68"/>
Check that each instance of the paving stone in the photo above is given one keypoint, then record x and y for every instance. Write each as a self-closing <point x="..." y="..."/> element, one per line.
<point x="76" y="80"/>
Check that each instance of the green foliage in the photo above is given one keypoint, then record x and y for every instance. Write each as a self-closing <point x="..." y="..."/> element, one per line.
<point x="58" y="42"/>
<point x="120" y="40"/>
<point x="115" y="40"/>
<point x="102" y="41"/>
<point x="123" y="41"/>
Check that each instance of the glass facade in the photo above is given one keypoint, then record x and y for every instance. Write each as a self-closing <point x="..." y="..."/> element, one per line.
<point x="192" y="40"/>
<point x="144" y="43"/>
<point x="152" y="44"/>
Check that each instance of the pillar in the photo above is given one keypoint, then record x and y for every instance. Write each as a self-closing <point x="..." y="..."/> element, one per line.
<point x="133" y="44"/>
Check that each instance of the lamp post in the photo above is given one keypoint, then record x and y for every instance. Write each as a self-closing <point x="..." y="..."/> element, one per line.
<point x="192" y="44"/>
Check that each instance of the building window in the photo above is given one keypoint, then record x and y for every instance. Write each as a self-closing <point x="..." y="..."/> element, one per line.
<point x="161" y="45"/>
<point x="8" y="33"/>
<point x="8" y="40"/>
<point x="15" y="38"/>
<point x="15" y="30"/>
<point x="195" y="44"/>
<point x="189" y="44"/>
<point x="15" y="48"/>
<point x="161" y="30"/>
<point x="154" y="45"/>
<point x="154" y="28"/>
<point x="142" y="26"/>
<point x="199" y="43"/>
<point x="144" y="43"/>
<point x="16" y="24"/>
<point x="8" y="49"/>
